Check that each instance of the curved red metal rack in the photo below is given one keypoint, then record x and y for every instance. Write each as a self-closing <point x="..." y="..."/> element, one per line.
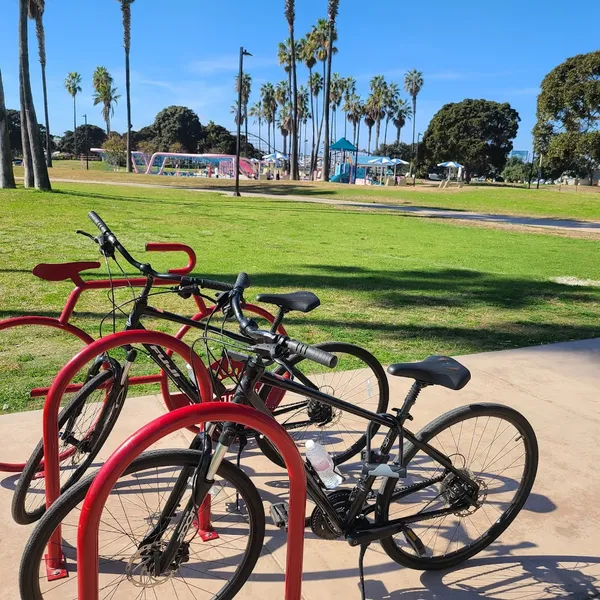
<point x="91" y="512"/>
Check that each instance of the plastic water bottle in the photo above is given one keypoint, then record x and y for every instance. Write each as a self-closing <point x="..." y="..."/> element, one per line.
<point x="322" y="463"/>
<point x="191" y="374"/>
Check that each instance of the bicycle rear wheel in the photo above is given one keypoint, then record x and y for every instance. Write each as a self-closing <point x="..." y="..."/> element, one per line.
<point x="358" y="378"/>
<point x="84" y="425"/>
<point x="493" y="444"/>
<point x="214" y="569"/>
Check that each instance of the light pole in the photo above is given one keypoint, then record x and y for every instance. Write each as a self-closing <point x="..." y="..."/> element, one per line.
<point x="87" y="154"/>
<point x="239" y="122"/>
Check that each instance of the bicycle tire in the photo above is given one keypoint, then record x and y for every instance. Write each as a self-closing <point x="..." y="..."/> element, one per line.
<point x="24" y="514"/>
<point x="33" y="555"/>
<point x="428" y="433"/>
<point x="336" y="348"/>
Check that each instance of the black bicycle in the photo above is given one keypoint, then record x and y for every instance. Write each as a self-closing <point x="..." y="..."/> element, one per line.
<point x="87" y="420"/>
<point x="447" y="491"/>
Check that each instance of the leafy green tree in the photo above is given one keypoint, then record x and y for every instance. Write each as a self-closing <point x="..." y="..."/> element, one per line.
<point x="126" y="18"/>
<point x="476" y="133"/>
<point x="568" y="115"/>
<point x="96" y="136"/>
<point x="36" y="12"/>
<point x="516" y="170"/>
<point x="116" y="150"/>
<point x="7" y="178"/>
<point x="395" y="150"/>
<point x="413" y="82"/>
<point x="378" y="103"/>
<point x="177" y="124"/>
<point x="73" y="86"/>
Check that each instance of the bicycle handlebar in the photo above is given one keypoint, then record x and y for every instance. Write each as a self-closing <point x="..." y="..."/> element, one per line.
<point x="147" y="269"/>
<point x="249" y="328"/>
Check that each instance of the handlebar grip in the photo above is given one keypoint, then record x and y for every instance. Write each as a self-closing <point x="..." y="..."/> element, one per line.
<point x="242" y="282"/>
<point x="98" y="222"/>
<point x="315" y="354"/>
<point x="216" y="285"/>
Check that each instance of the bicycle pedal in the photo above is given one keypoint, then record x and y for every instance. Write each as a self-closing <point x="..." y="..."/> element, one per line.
<point x="382" y="470"/>
<point x="280" y="514"/>
<point x="414" y="541"/>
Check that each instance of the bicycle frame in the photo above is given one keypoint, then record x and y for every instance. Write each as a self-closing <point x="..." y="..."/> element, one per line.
<point x="256" y="373"/>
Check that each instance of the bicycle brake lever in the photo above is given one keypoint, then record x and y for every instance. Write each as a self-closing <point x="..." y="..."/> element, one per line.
<point x="86" y="234"/>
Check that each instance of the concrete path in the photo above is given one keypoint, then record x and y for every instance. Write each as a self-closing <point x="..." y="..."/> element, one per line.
<point x="418" y="211"/>
<point x="551" y="551"/>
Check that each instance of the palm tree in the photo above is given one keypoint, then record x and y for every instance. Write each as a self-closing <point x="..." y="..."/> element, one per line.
<point x="256" y="111"/>
<point x="290" y="15"/>
<point x="36" y="12"/>
<point x="349" y="91"/>
<point x="303" y="116"/>
<point x="354" y="109"/>
<point x="315" y="84"/>
<point x="323" y="44"/>
<point x="391" y="99"/>
<point x="105" y="94"/>
<point x="413" y="82"/>
<point x="337" y="93"/>
<point x="282" y="95"/>
<point x="377" y="105"/>
<point x="126" y="17"/>
<point x="246" y="89"/>
<point x="7" y="177"/>
<point x="234" y="111"/>
<point x="285" y="123"/>
<point x="401" y="112"/>
<point x="332" y="12"/>
<point x="371" y="113"/>
<point x="73" y="86"/>
<point x="267" y="92"/>
<point x="32" y="142"/>
<point x="306" y="53"/>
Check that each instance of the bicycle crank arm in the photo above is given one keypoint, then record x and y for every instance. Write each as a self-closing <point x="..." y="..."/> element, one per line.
<point x="365" y="535"/>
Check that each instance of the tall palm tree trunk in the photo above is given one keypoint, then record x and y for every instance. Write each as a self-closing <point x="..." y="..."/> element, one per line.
<point x="354" y="139"/>
<point x="75" y="124"/>
<point x="387" y="121"/>
<point x="38" y="160"/>
<point x="47" y="120"/>
<point x="7" y="177"/>
<point x="377" y="131"/>
<point x="126" y="14"/>
<point x="246" y="130"/>
<point x="259" y="134"/>
<point x="414" y="124"/>
<point x="398" y="130"/>
<point x="369" y="146"/>
<point x="312" y="117"/>
<point x="294" y="92"/>
<point x="27" y="165"/>
<point x="326" y="104"/>
<point x="269" y="136"/>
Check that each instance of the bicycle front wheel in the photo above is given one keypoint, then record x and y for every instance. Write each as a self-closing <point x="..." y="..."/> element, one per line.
<point x="84" y="425"/>
<point x="217" y="568"/>
<point x="358" y="379"/>
<point x="492" y="444"/>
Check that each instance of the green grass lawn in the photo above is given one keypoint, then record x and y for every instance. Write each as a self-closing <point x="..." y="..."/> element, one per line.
<point x="547" y="201"/>
<point x="402" y="287"/>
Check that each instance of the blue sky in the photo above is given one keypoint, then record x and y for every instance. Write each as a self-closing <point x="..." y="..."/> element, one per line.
<point x="496" y="51"/>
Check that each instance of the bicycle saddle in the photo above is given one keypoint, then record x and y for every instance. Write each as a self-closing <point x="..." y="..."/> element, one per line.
<point x="434" y="370"/>
<point x="300" y="301"/>
<point x="63" y="271"/>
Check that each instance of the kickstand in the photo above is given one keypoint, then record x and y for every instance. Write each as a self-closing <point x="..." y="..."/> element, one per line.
<point x="361" y="568"/>
<point x="243" y="442"/>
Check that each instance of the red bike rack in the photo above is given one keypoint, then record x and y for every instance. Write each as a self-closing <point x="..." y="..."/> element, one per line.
<point x="91" y="512"/>
<point x="52" y="405"/>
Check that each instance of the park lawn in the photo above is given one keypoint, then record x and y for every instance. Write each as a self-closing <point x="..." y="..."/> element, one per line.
<point x="548" y="201"/>
<point x="402" y="287"/>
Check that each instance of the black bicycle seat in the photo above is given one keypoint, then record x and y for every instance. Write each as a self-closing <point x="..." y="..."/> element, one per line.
<point x="300" y="301"/>
<point x="434" y="370"/>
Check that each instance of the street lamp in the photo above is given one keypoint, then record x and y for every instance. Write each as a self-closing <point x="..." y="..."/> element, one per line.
<point x="239" y="122"/>
<point x="87" y="154"/>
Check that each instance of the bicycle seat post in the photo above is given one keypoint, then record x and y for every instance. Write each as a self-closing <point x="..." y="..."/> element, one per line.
<point x="278" y="319"/>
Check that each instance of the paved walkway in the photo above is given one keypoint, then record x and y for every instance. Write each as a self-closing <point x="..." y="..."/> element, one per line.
<point x="438" y="213"/>
<point x="551" y="551"/>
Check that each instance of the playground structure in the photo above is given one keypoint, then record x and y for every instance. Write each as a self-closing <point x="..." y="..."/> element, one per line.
<point x="186" y="165"/>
